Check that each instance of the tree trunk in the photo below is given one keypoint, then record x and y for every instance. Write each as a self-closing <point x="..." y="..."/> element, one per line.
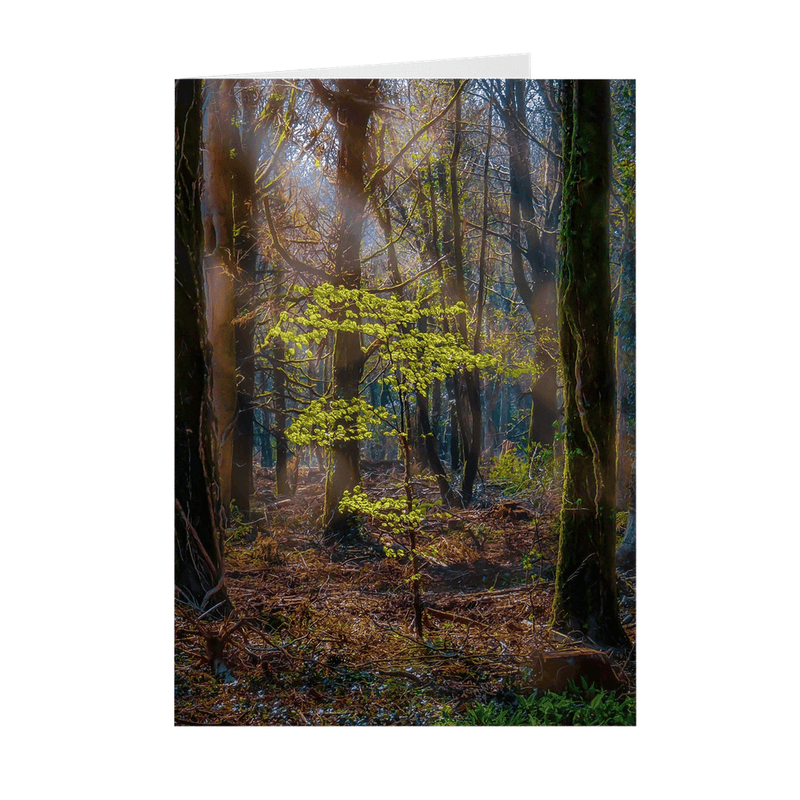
<point x="491" y="435"/>
<point x="539" y="296"/>
<point x="218" y="112"/>
<point x="430" y="444"/>
<point x="502" y="428"/>
<point x="246" y="252"/>
<point x="454" y="429"/>
<point x="624" y="105"/>
<point x="266" y="427"/>
<point x="416" y="575"/>
<point x="282" y="483"/>
<point x="436" y="414"/>
<point x="585" y="599"/>
<point x="626" y="552"/>
<point x="199" y="566"/>
<point x="449" y="497"/>
<point x="467" y="383"/>
<point x="626" y="405"/>
<point x="351" y="108"/>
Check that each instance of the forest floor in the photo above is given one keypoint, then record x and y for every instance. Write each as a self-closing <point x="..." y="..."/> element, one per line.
<point x="324" y="636"/>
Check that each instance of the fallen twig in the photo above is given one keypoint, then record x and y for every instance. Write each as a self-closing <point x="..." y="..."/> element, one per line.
<point x="449" y="617"/>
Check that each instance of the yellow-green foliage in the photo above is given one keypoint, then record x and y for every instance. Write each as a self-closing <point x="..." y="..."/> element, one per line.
<point x="388" y="513"/>
<point x="517" y="474"/>
<point x="327" y="422"/>
<point x="510" y="472"/>
<point x="238" y="529"/>
<point x="388" y="325"/>
<point x="409" y="359"/>
<point x="622" y="524"/>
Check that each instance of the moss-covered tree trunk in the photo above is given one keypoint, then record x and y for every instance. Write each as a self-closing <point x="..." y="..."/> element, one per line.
<point x="585" y="601"/>
<point x="351" y="106"/>
<point x="199" y="568"/>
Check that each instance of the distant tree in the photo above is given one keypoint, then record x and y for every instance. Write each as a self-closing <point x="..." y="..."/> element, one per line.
<point x="428" y="445"/>
<point x="623" y="95"/>
<point x="530" y="246"/>
<point x="467" y="382"/>
<point x="274" y="120"/>
<point x="585" y="599"/>
<point x="199" y="573"/>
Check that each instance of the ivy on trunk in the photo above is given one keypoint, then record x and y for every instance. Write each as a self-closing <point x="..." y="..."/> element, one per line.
<point x="585" y="599"/>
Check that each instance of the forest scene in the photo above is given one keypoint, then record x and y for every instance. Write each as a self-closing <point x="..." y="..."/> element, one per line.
<point x="405" y="402"/>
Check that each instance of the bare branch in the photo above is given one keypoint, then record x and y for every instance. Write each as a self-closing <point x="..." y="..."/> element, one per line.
<point x="293" y="262"/>
<point x="383" y="171"/>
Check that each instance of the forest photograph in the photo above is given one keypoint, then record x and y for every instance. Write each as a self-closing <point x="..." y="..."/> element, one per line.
<point x="405" y="402"/>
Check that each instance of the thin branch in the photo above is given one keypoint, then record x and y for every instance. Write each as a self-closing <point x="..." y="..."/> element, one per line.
<point x="196" y="537"/>
<point x="383" y="171"/>
<point x="296" y="263"/>
<point x="405" y="283"/>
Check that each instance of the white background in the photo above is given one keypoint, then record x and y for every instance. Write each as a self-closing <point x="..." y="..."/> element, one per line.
<point x="87" y="400"/>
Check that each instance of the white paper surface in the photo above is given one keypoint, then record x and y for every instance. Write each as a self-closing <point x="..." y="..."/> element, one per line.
<point x="508" y="66"/>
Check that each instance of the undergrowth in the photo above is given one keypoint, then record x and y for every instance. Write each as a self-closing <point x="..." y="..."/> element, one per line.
<point x="586" y="705"/>
<point x="518" y="475"/>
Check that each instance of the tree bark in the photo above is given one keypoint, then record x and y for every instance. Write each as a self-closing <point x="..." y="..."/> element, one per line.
<point x="625" y="314"/>
<point x="246" y="251"/>
<point x="585" y="599"/>
<point x="199" y="565"/>
<point x="538" y="296"/>
<point x="282" y="483"/>
<point x="351" y="107"/>
<point x="467" y="383"/>
<point x="449" y="497"/>
<point x="626" y="405"/>
<point x="453" y="428"/>
<point x="217" y="209"/>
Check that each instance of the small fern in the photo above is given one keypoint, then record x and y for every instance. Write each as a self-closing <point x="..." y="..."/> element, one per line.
<point x="585" y="705"/>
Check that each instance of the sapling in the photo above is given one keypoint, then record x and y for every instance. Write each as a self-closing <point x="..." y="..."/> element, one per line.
<point x="408" y="360"/>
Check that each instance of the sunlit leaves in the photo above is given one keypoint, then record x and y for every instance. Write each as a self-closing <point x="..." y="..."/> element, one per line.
<point x="411" y="358"/>
<point x="329" y="422"/>
<point x="388" y="513"/>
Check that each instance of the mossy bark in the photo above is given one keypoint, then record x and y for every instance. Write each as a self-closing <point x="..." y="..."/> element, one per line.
<point x="199" y="567"/>
<point x="585" y="601"/>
